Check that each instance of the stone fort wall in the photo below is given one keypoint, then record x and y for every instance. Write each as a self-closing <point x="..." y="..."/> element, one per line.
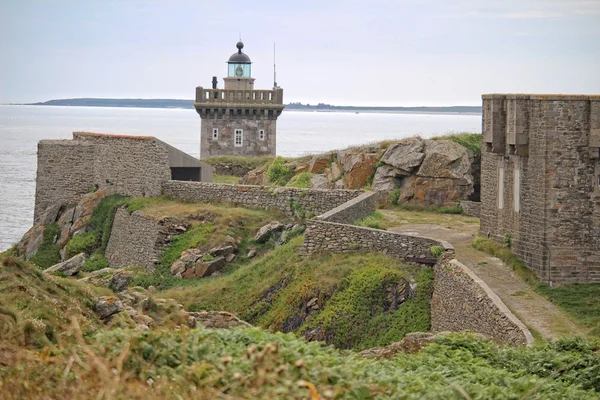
<point x="462" y="301"/>
<point x="292" y="201"/>
<point x="540" y="182"/>
<point x="68" y="169"/>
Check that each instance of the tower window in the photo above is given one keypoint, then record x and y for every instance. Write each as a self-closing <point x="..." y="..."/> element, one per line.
<point x="501" y="188"/>
<point x="261" y="134"/>
<point x="215" y="135"/>
<point x="238" y="138"/>
<point x="517" y="188"/>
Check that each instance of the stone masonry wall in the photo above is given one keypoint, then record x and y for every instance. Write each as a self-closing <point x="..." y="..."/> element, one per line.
<point x="131" y="165"/>
<point x="291" y="201"/>
<point x="462" y="301"/>
<point x="68" y="169"/>
<point x="352" y="210"/>
<point x="132" y="240"/>
<point x="63" y="173"/>
<point x="553" y="219"/>
<point x="471" y="208"/>
<point x="330" y="237"/>
<point x="224" y="145"/>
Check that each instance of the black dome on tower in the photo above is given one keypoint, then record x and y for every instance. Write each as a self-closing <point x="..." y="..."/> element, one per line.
<point x="239" y="57"/>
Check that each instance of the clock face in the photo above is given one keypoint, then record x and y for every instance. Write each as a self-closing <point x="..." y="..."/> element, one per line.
<point x="239" y="71"/>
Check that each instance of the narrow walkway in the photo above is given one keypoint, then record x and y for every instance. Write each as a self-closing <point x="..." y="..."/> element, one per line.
<point x="534" y="310"/>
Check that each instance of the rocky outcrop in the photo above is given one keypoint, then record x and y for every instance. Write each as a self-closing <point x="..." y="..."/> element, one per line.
<point x="411" y="343"/>
<point x="215" y="320"/>
<point x="70" y="267"/>
<point x="267" y="231"/>
<point x="406" y="154"/>
<point x="358" y="168"/>
<point x="256" y="177"/>
<point x="107" y="306"/>
<point x="320" y="181"/>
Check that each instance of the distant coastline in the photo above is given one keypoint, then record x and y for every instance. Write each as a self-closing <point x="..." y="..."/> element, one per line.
<point x="188" y="104"/>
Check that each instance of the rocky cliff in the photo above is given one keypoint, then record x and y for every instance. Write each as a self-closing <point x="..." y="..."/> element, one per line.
<point x="420" y="171"/>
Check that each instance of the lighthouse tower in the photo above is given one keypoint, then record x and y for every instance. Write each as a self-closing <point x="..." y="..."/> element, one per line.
<point x="238" y="120"/>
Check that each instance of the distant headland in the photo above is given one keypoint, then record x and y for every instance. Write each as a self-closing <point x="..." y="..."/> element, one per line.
<point x="181" y="103"/>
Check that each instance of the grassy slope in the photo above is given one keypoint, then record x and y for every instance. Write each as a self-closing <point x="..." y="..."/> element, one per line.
<point x="251" y="363"/>
<point x="273" y="291"/>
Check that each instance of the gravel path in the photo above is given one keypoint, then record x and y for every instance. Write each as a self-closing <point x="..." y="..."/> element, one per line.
<point x="534" y="310"/>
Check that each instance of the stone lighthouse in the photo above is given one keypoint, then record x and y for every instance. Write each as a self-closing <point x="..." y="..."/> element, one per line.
<point x="238" y="120"/>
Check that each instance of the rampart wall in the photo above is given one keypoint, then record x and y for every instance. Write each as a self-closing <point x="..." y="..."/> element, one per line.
<point x="471" y="208"/>
<point x="292" y="201"/>
<point x="133" y="240"/>
<point x="462" y="301"/>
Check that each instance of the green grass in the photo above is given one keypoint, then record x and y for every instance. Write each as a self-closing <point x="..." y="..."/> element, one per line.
<point x="279" y="173"/>
<point x="374" y="220"/>
<point x="272" y="292"/>
<point x="471" y="141"/>
<point x="230" y="179"/>
<point x="507" y="257"/>
<point x="302" y="180"/>
<point x="581" y="300"/>
<point x="48" y="253"/>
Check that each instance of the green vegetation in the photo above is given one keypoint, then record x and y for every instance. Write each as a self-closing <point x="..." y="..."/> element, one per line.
<point x="395" y="196"/>
<point x="82" y="243"/>
<point x="279" y="173"/>
<point x="102" y="219"/>
<point x="581" y="300"/>
<point x="230" y="179"/>
<point x="471" y="141"/>
<point x="95" y="262"/>
<point x="254" y="364"/>
<point x="507" y="257"/>
<point x="507" y="240"/>
<point x="374" y="220"/>
<point x="360" y="314"/>
<point x="48" y="253"/>
<point x="437" y="251"/>
<point x="350" y="289"/>
<point x="302" y="180"/>
<point x="35" y="307"/>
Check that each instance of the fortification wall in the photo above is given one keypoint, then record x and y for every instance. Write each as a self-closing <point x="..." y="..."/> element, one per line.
<point x="133" y="240"/>
<point x="63" y="173"/>
<point x="291" y="201"/>
<point x="462" y="301"/>
<point x="471" y="208"/>
<point x="130" y="165"/>
<point x="540" y="182"/>
<point x="331" y="237"/>
<point x="352" y="210"/>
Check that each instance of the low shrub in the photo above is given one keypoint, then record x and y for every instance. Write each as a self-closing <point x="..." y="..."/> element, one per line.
<point x="395" y="196"/>
<point x="302" y="180"/>
<point x="437" y="251"/>
<point x="95" y="262"/>
<point x="374" y="220"/>
<point x="48" y="253"/>
<point x="279" y="173"/>
<point x="82" y="243"/>
<point x="470" y="141"/>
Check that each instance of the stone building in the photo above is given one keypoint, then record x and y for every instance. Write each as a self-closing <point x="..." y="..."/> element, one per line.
<point x="129" y="165"/>
<point x="238" y="120"/>
<point x="540" y="182"/>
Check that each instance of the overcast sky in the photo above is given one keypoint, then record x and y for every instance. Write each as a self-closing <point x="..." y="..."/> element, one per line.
<point x="402" y="52"/>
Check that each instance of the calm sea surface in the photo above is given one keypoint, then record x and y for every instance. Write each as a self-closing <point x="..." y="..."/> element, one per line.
<point x="299" y="133"/>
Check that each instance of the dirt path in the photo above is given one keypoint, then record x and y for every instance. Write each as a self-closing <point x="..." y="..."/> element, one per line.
<point x="534" y="310"/>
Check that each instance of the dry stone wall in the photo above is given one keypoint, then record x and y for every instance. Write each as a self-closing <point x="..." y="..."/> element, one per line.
<point x="133" y="240"/>
<point x="462" y="301"/>
<point x="291" y="201"/>
<point x="352" y="210"/>
<point x="471" y="208"/>
<point x="330" y="237"/>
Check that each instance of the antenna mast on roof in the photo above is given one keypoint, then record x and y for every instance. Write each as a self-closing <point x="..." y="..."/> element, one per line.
<point x="274" y="70"/>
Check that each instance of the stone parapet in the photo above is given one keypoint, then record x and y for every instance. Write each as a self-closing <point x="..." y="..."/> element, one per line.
<point x="291" y="201"/>
<point x="331" y="237"/>
<point x="462" y="301"/>
<point x="352" y="210"/>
